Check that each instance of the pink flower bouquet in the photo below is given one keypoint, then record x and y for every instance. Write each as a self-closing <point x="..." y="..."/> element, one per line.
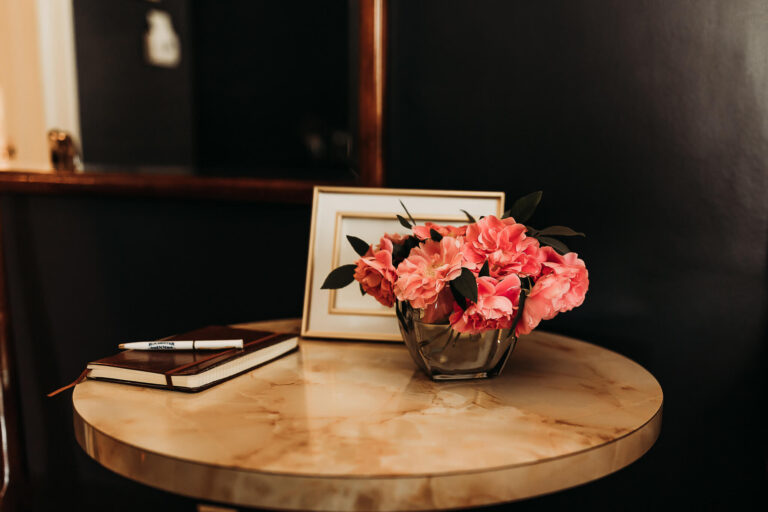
<point x="463" y="294"/>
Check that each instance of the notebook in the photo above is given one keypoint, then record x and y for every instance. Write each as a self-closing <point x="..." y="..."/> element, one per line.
<point x="193" y="370"/>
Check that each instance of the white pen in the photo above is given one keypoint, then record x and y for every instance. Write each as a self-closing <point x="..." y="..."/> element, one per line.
<point x="182" y="345"/>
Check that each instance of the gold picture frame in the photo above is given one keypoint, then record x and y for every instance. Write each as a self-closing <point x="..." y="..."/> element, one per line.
<point x="345" y="313"/>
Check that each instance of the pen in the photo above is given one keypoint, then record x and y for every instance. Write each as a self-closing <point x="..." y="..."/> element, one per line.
<point x="182" y="345"/>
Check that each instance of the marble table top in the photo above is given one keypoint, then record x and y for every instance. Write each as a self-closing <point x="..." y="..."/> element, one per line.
<point x="348" y="426"/>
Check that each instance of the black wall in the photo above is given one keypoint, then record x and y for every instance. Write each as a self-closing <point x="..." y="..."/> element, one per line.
<point x="645" y="123"/>
<point x="85" y="273"/>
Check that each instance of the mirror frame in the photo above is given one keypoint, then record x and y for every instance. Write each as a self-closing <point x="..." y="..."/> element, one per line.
<point x="371" y="91"/>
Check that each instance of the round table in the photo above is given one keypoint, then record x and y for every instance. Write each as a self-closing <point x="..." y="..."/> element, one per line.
<point x="353" y="426"/>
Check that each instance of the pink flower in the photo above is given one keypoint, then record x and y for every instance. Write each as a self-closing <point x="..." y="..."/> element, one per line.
<point x="539" y="304"/>
<point x="426" y="271"/>
<point x="396" y="238"/>
<point x="561" y="287"/>
<point x="495" y="307"/>
<point x="440" y="309"/>
<point x="572" y="270"/>
<point x="504" y="244"/>
<point x="376" y="274"/>
<point x="422" y="232"/>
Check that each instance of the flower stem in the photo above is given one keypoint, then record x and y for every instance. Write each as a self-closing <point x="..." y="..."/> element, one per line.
<point x="520" y="307"/>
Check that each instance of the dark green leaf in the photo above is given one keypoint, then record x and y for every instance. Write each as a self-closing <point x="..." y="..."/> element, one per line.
<point x="523" y="208"/>
<point x="407" y="212"/>
<point x="531" y="231"/>
<point x="403" y="222"/>
<point x="434" y="235"/>
<point x="360" y="246"/>
<point x="554" y="243"/>
<point x="362" y="292"/>
<point x="526" y="283"/>
<point x="560" y="231"/>
<point x="471" y="218"/>
<point x="519" y="314"/>
<point x="340" y="277"/>
<point x="460" y="300"/>
<point x="485" y="271"/>
<point x="398" y="253"/>
<point x="401" y="251"/>
<point x="466" y="284"/>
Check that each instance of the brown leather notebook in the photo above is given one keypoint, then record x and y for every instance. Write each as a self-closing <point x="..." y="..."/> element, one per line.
<point x="193" y="370"/>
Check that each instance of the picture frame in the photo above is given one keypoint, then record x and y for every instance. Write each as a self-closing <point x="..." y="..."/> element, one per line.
<point x="368" y="213"/>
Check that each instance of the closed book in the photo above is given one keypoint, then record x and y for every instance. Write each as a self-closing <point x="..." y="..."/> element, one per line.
<point x="193" y="370"/>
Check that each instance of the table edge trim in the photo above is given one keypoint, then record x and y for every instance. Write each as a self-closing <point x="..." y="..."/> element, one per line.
<point x="80" y="424"/>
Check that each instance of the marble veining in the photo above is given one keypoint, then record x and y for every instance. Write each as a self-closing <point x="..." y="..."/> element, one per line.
<point x="337" y="416"/>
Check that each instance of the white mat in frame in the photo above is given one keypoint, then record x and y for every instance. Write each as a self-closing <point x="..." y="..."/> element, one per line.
<point x="368" y="213"/>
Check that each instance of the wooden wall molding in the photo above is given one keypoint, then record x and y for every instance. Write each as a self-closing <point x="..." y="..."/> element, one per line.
<point x="273" y="190"/>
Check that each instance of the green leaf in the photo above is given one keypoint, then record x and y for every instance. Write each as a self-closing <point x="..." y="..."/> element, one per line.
<point x="434" y="235"/>
<point x="520" y="306"/>
<point x="526" y="283"/>
<point x="485" y="270"/>
<point x="554" y="243"/>
<point x="523" y="208"/>
<point x="401" y="251"/>
<point x="471" y="218"/>
<point x="339" y="277"/>
<point x="362" y="292"/>
<point x="466" y="284"/>
<point x="460" y="300"/>
<point x="560" y="231"/>
<point x="403" y="222"/>
<point x="407" y="212"/>
<point x="360" y="246"/>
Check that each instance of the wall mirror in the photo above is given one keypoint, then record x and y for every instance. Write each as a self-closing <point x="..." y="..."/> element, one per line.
<point x="259" y="90"/>
<point x="217" y="88"/>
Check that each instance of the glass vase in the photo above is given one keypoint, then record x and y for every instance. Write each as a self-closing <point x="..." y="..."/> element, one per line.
<point x="445" y="354"/>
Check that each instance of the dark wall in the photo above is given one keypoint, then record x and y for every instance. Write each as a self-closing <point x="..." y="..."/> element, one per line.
<point x="86" y="273"/>
<point x="646" y="124"/>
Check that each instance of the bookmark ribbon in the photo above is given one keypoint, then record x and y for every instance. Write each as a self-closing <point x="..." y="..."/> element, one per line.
<point x="77" y="381"/>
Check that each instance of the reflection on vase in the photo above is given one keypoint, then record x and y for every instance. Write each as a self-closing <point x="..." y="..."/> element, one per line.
<point x="445" y="354"/>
